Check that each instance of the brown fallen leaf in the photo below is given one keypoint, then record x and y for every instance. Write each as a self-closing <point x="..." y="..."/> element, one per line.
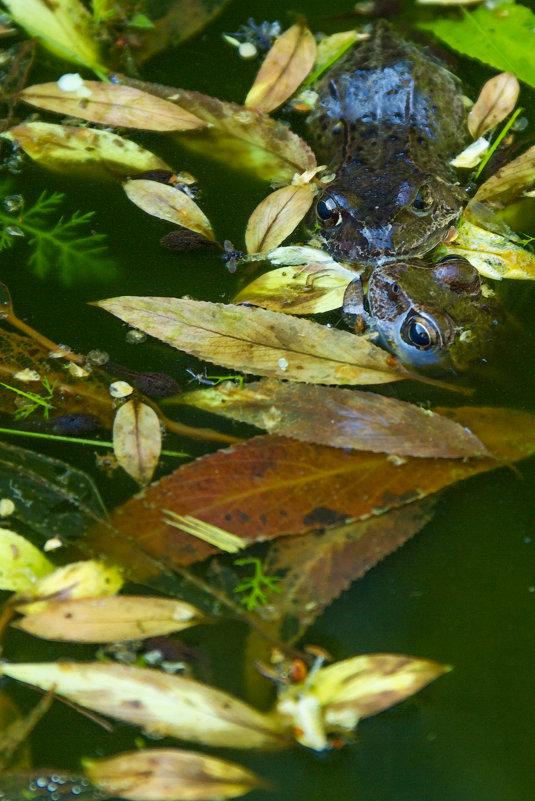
<point x="272" y="486"/>
<point x="169" y="774"/>
<point x="112" y="104"/>
<point x="237" y="135"/>
<point x="285" y="67"/>
<point x="509" y="182"/>
<point x="258" y="341"/>
<point x="340" y="418"/>
<point x="162" y="704"/>
<point x="495" y="102"/>
<point x="277" y="216"/>
<point x="83" y="151"/>
<point x="111" y="618"/>
<point x="167" y="203"/>
<point x="137" y="440"/>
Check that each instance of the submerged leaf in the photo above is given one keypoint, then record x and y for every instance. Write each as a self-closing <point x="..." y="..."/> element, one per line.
<point x="360" y="420"/>
<point x="493" y="255"/>
<point x="509" y="182"/>
<point x="169" y="774"/>
<point x="137" y="440"/>
<point x="272" y="486"/>
<point x="162" y="704"/>
<point x="276" y="216"/>
<point x="285" y="67"/>
<point x="21" y="563"/>
<point x="495" y="102"/>
<point x="112" y="104"/>
<point x="258" y="341"/>
<point x="85" y="151"/>
<point x="112" y="618"/>
<point x="168" y="203"/>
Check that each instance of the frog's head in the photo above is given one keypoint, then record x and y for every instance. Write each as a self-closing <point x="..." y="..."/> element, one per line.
<point x="372" y="220"/>
<point x="431" y="316"/>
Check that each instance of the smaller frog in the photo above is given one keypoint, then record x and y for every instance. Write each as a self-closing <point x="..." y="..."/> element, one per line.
<point x="427" y="315"/>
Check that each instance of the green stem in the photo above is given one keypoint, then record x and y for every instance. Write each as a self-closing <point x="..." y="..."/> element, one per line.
<point x="497" y="141"/>
<point x="77" y="440"/>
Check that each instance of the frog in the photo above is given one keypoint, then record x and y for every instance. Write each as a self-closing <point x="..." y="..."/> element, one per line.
<point x="436" y="315"/>
<point x="388" y="120"/>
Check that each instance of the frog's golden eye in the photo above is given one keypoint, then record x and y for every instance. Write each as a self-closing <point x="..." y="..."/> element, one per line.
<point x="328" y="213"/>
<point x="423" y="202"/>
<point x="421" y="332"/>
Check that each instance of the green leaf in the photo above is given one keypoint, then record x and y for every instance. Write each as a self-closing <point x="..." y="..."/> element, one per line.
<point x="502" y="37"/>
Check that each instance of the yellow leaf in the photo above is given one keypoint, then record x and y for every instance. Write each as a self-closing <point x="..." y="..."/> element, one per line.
<point x="168" y="203"/>
<point x="285" y="67"/>
<point x="276" y="217"/>
<point x="64" y="27"/>
<point x="258" y="341"/>
<point x="111" y="618"/>
<point x="137" y="440"/>
<point x="509" y="182"/>
<point x="495" y="102"/>
<point x="21" y="563"/>
<point x="168" y="774"/>
<point x="162" y="704"/>
<point x="297" y="290"/>
<point x="85" y="151"/>
<point x="112" y="104"/>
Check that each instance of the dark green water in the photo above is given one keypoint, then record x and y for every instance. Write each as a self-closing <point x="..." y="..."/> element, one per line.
<point x="462" y="592"/>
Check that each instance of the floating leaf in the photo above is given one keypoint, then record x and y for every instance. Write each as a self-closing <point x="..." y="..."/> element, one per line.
<point x="272" y="486"/>
<point x="258" y="341"/>
<point x="495" y="102"/>
<point x="137" y="440"/>
<point x="311" y="289"/>
<point x="111" y="618"/>
<point x="168" y="203"/>
<point x="339" y="695"/>
<point x="85" y="151"/>
<point x="162" y="704"/>
<point x="509" y="182"/>
<point x="86" y="579"/>
<point x="503" y="40"/>
<point x="21" y="563"/>
<point x="238" y="136"/>
<point x="315" y="570"/>
<point x="276" y="216"/>
<point x="285" y="67"/>
<point x="361" y="420"/>
<point x="169" y="774"/>
<point x="64" y="27"/>
<point x="493" y="255"/>
<point x="112" y="104"/>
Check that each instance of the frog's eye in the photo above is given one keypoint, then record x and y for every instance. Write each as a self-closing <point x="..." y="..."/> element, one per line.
<point x="421" y="332"/>
<point x="423" y="202"/>
<point x="328" y="213"/>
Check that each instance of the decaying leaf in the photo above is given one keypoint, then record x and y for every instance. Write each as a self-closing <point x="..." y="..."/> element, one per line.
<point x="111" y="618"/>
<point x="167" y="203"/>
<point x="314" y="570"/>
<point x="238" y="136"/>
<point x="258" y="341"/>
<point x="169" y="774"/>
<point x="112" y="104"/>
<point x="472" y="155"/>
<point x="21" y="563"/>
<point x="277" y="216"/>
<point x="137" y="440"/>
<point x="64" y="27"/>
<point x="285" y="67"/>
<point x="360" y="420"/>
<point x="336" y="697"/>
<point x="310" y="289"/>
<point x="272" y="486"/>
<point x="495" y="102"/>
<point x="493" y="255"/>
<point x="509" y="182"/>
<point x="87" y="579"/>
<point x="85" y="151"/>
<point x="162" y="704"/>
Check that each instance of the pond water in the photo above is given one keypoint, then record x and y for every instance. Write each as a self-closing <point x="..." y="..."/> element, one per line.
<point x="461" y="592"/>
